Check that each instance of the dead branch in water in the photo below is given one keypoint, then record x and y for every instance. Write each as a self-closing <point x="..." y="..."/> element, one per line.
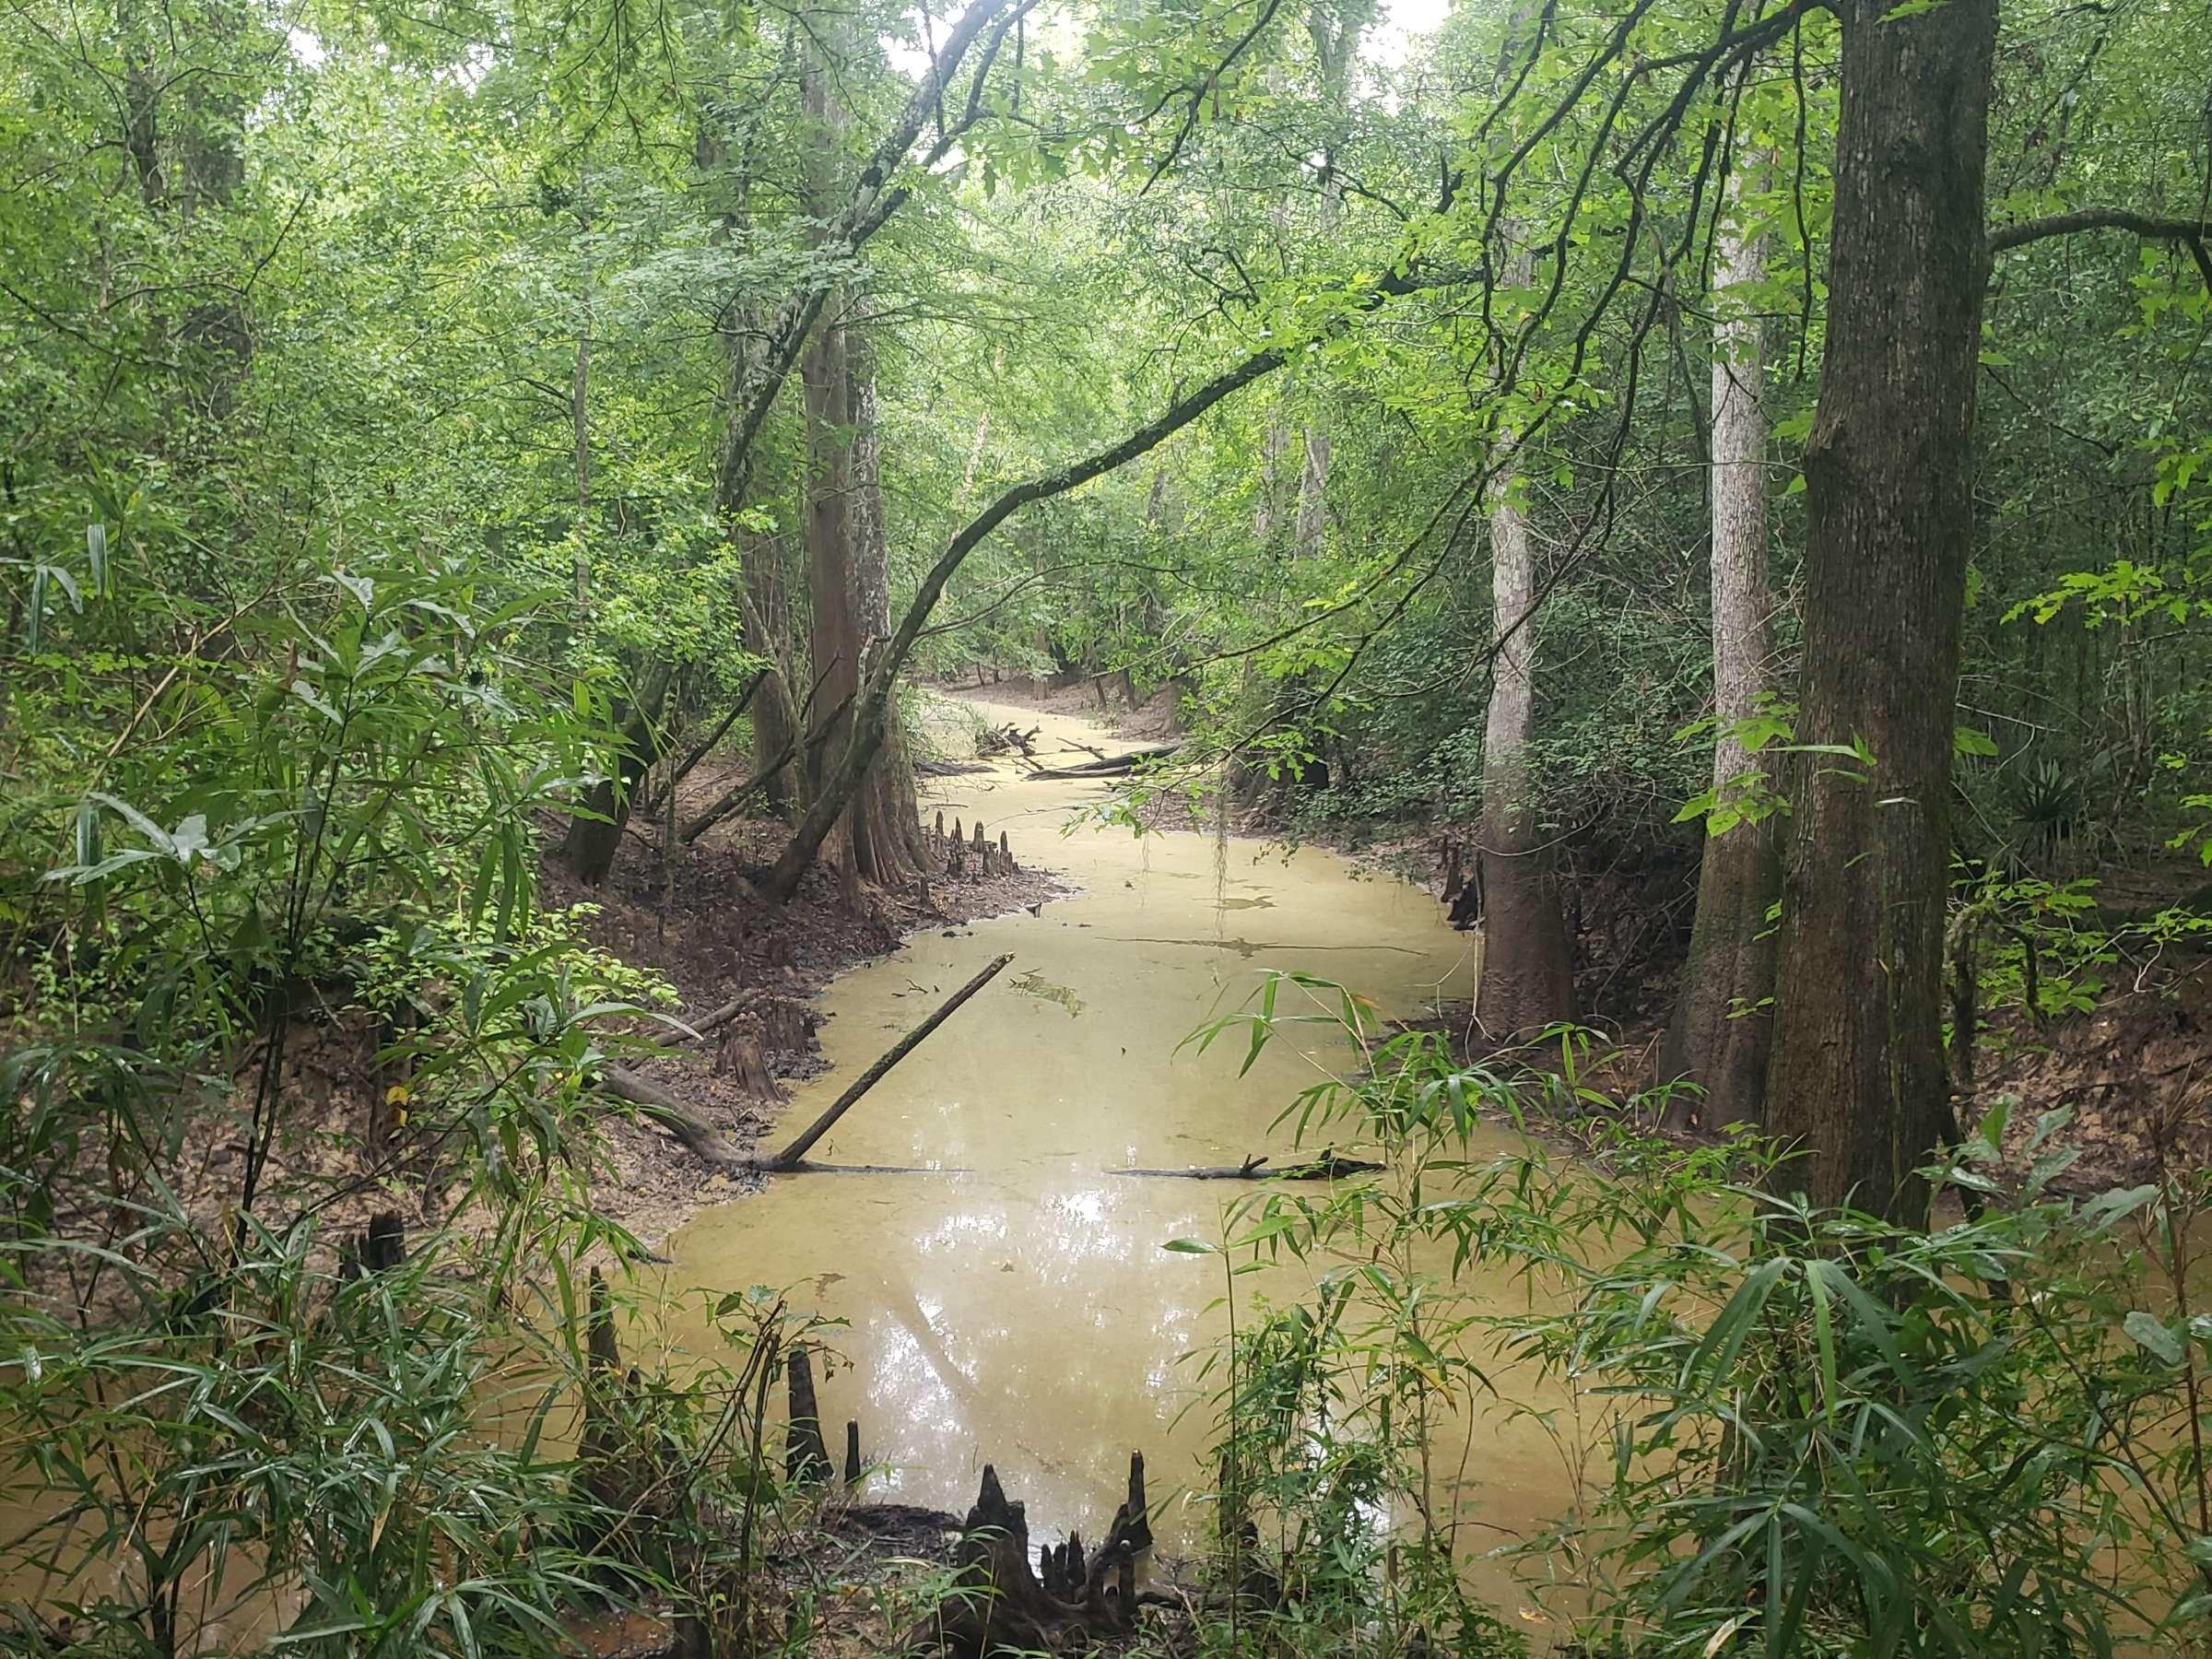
<point x="706" y="1141"/>
<point x="1327" y="1167"/>
<point x="789" y="1157"/>
<point x="1111" y="766"/>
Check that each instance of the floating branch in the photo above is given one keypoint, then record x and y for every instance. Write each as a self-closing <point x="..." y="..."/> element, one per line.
<point x="1112" y="765"/>
<point x="1327" y="1167"/>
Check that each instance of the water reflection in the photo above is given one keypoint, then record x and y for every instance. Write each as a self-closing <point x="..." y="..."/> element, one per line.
<point x="1024" y="1313"/>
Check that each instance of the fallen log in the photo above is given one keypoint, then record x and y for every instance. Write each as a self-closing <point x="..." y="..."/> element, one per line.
<point x="792" y="1156"/>
<point x="699" y="1136"/>
<point x="1112" y="765"/>
<point x="1327" y="1167"/>
<point x="705" y="1141"/>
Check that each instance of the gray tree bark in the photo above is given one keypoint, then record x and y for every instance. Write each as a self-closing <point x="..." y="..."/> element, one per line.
<point x="876" y="840"/>
<point x="1858" y="1085"/>
<point x="1719" y="1037"/>
<point x="1527" y="957"/>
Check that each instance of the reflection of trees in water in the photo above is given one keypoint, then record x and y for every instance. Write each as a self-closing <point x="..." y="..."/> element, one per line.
<point x="1057" y="1396"/>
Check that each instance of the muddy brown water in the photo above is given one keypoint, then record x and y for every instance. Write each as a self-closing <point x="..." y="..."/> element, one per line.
<point x="1016" y="1307"/>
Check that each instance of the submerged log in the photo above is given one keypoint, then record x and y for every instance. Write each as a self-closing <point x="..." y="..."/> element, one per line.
<point x="1112" y="765"/>
<point x="1327" y="1167"/>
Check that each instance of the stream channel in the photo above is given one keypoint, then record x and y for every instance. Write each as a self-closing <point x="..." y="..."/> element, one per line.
<point x="1013" y="1305"/>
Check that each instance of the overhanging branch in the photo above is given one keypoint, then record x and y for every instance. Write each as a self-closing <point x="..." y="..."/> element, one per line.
<point x="2190" y="233"/>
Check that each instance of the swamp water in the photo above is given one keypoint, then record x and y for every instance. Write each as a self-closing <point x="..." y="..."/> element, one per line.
<point x="1015" y="1305"/>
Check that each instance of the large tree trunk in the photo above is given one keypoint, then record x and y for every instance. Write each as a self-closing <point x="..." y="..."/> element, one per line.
<point x="1858" y="1083"/>
<point x="848" y="576"/>
<point x="886" y="818"/>
<point x="1719" y="1037"/>
<point x="1527" y="957"/>
<point x="765" y="629"/>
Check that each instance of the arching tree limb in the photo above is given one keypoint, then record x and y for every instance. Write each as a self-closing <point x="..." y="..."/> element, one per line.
<point x="2190" y="233"/>
<point x="757" y="376"/>
<point x="782" y="879"/>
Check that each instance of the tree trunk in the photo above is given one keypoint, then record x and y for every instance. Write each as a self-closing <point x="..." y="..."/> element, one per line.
<point x="592" y="841"/>
<point x="579" y="393"/>
<point x="848" y="576"/>
<point x="782" y="878"/>
<point x="1857" y="1084"/>
<point x="1723" y="1020"/>
<point x="886" y="814"/>
<point x="1527" y="958"/>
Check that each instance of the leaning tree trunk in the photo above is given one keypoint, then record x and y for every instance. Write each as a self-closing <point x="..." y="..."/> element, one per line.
<point x="596" y="834"/>
<point x="1858" y="1083"/>
<point x="1719" y="1037"/>
<point x="1527" y="958"/>
<point x="766" y="607"/>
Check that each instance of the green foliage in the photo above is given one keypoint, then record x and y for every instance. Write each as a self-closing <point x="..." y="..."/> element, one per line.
<point x="1800" y="1432"/>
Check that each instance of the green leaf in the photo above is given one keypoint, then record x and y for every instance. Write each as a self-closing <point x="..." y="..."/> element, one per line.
<point x="2152" y="1333"/>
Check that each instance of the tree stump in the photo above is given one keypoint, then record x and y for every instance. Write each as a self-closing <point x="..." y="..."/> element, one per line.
<point x="786" y="1025"/>
<point x="385" y="1243"/>
<point x="999" y="1605"/>
<point x="743" y="1057"/>
<point x="805" y="1457"/>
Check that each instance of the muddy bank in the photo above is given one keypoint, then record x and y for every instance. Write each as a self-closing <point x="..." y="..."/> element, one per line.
<point x="704" y="928"/>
